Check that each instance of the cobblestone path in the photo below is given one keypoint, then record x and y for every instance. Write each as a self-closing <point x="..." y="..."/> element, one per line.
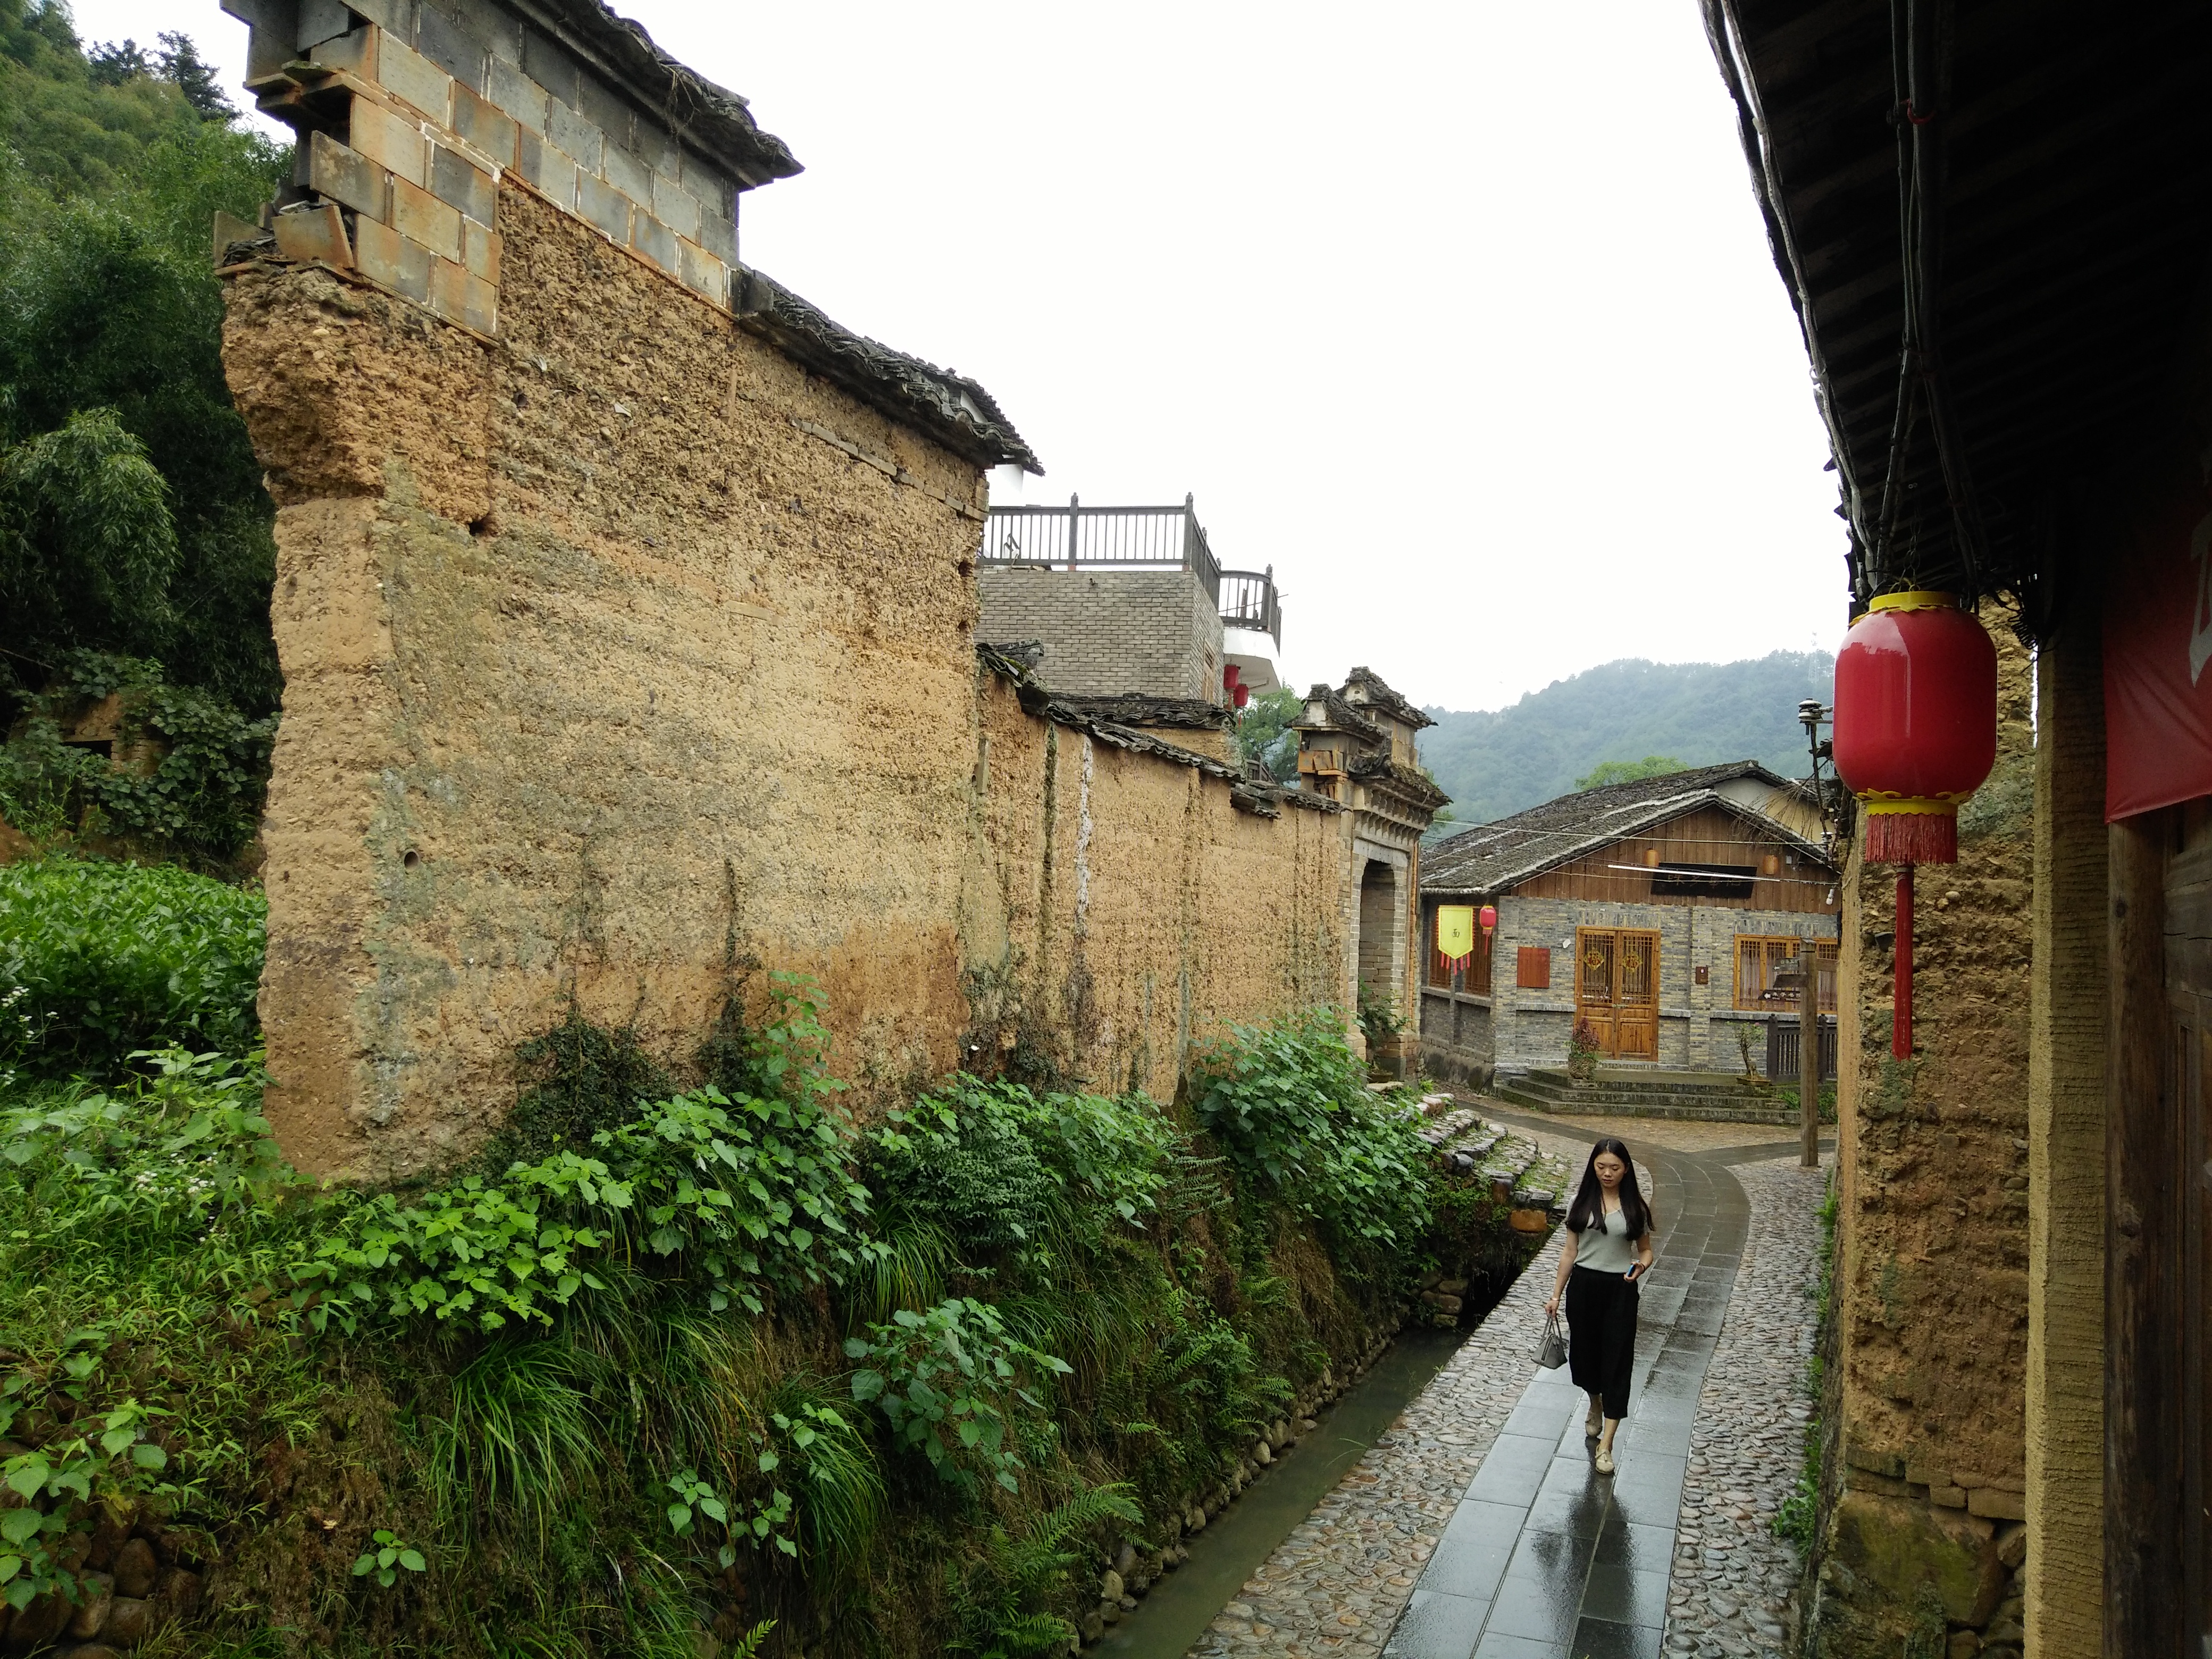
<point x="1732" y="1577"/>
<point x="1341" y="1581"/>
<point x="1338" y="1582"/>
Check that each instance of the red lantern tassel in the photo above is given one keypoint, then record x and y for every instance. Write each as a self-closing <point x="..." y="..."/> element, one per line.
<point x="1911" y="838"/>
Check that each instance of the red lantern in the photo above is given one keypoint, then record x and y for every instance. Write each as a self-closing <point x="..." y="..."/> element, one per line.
<point x="1488" y="917"/>
<point x="1916" y="733"/>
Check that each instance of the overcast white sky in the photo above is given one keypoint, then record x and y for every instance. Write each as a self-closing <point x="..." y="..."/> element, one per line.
<point x="1461" y="316"/>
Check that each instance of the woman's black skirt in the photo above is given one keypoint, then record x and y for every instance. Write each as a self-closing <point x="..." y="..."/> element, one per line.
<point x="1601" y="1335"/>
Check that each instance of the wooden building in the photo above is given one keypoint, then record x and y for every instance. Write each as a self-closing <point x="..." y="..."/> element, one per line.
<point x="1658" y="911"/>
<point x="1995" y="224"/>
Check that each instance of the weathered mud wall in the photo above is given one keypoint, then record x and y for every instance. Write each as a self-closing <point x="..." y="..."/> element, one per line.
<point x="1923" y="1539"/>
<point x="607" y="663"/>
<point x="1136" y="909"/>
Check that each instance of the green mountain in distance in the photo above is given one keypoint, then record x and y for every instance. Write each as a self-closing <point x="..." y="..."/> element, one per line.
<point x="1495" y="763"/>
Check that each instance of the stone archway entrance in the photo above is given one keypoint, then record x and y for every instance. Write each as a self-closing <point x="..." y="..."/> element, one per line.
<point x="1382" y="963"/>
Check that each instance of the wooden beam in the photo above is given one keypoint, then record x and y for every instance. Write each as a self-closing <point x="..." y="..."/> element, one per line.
<point x="2067" y="1012"/>
<point x="2143" y="1440"/>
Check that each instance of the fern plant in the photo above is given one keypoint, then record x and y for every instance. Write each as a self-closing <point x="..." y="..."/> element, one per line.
<point x="1000" y="1599"/>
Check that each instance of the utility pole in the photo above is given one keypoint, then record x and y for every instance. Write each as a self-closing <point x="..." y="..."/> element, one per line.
<point x="1808" y="1061"/>
<point x="1813" y="714"/>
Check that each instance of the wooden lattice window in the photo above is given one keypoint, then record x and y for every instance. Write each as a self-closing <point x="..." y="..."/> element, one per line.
<point x="1760" y="957"/>
<point x="1534" y="967"/>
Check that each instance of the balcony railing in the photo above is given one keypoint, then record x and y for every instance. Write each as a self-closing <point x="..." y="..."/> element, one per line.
<point x="1079" y="537"/>
<point x="1248" y="601"/>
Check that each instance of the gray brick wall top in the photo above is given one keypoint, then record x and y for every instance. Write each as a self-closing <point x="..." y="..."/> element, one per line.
<point x="1106" y="632"/>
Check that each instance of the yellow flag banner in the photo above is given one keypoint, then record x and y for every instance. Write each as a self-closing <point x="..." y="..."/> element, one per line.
<point x="1455" y="931"/>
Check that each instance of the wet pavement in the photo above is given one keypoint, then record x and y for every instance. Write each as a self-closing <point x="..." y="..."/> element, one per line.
<point x="1544" y="1558"/>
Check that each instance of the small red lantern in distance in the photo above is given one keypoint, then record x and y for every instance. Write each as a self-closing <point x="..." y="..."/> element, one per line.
<point x="1916" y="733"/>
<point x="1487" y="916"/>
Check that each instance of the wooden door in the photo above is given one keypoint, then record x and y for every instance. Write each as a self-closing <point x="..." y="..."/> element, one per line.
<point x="1617" y="989"/>
<point x="1636" y="1006"/>
<point x="1597" y="953"/>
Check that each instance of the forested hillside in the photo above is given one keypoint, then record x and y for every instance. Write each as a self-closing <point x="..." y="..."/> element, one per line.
<point x="1498" y="761"/>
<point x="135" y="537"/>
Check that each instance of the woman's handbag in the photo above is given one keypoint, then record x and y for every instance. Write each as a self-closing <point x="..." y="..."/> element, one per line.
<point x="1552" y="1351"/>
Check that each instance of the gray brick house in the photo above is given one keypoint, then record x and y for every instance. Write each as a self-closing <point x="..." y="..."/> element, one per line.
<point x="1659" y="910"/>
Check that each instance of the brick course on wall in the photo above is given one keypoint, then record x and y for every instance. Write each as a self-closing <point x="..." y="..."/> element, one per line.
<point x="440" y="107"/>
<point x="609" y="667"/>
<point x="1109" y="631"/>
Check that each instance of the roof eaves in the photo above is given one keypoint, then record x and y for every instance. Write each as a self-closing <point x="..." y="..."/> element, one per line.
<point x="950" y="408"/>
<point x="710" y="118"/>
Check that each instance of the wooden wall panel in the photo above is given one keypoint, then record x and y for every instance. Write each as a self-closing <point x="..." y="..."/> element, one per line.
<point x="1709" y="835"/>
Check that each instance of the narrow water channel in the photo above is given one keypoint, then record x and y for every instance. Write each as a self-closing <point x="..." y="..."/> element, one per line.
<point x="1184" y="1602"/>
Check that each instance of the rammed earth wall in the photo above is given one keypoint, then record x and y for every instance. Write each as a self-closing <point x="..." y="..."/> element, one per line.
<point x="1923" y="1535"/>
<point x="618" y="647"/>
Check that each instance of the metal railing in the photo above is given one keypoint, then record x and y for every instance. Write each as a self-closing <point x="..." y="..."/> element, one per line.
<point x="1079" y="537"/>
<point x="1248" y="601"/>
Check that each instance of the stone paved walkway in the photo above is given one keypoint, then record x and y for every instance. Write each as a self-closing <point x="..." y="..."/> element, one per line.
<point x="1341" y="1582"/>
<point x="1732" y="1577"/>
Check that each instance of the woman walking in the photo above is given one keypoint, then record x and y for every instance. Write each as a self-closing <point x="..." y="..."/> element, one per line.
<point x="1609" y="1228"/>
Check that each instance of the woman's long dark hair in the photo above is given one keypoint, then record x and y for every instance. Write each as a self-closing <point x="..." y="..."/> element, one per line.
<point x="1589" y="1208"/>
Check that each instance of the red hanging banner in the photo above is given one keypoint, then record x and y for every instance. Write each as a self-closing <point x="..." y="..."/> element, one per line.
<point x="2157" y="660"/>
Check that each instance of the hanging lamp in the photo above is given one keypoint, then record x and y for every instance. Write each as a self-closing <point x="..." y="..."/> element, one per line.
<point x="1916" y="733"/>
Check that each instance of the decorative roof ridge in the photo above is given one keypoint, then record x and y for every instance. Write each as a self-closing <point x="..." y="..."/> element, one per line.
<point x="1410" y="780"/>
<point x="1342" y="715"/>
<point x="1381" y="695"/>
<point x="951" y="408"/>
<point x="1136" y="709"/>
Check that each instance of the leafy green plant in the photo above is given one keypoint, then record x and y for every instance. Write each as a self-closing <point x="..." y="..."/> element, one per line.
<point x="55" y="1484"/>
<point x="1289" y="1103"/>
<point x="752" y="1192"/>
<point x="101" y="959"/>
<point x="839" y="1489"/>
<point x="172" y="1145"/>
<point x="388" y="1554"/>
<point x="947" y="1382"/>
<point x="1000" y="1597"/>
<point x="1381" y="1019"/>
<point x="694" y="1500"/>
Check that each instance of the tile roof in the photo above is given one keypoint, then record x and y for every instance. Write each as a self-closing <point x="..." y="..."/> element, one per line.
<point x="713" y="118"/>
<point x="1379" y="694"/>
<point x="1490" y="858"/>
<point x="951" y="408"/>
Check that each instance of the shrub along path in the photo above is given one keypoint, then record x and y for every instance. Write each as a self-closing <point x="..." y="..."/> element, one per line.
<point x="1414" y="1550"/>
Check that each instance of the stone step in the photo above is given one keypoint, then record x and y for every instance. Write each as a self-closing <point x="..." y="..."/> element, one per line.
<point x="1687" y="1082"/>
<point x="1685" y="1109"/>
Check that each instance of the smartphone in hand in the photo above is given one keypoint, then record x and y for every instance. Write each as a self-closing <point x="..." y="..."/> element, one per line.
<point x="1634" y="1273"/>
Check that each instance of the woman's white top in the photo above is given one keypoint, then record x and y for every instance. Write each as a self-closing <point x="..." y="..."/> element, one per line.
<point x="1610" y="1250"/>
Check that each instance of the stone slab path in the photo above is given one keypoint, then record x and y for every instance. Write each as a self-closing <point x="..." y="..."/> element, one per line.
<point x="1732" y="1577"/>
<point x="1546" y="1554"/>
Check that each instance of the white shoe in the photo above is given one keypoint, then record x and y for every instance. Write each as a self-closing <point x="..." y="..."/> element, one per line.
<point x="1604" y="1461"/>
<point x="1594" y="1425"/>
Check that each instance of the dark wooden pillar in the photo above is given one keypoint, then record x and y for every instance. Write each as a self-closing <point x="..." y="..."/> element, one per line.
<point x="2143" y="1524"/>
